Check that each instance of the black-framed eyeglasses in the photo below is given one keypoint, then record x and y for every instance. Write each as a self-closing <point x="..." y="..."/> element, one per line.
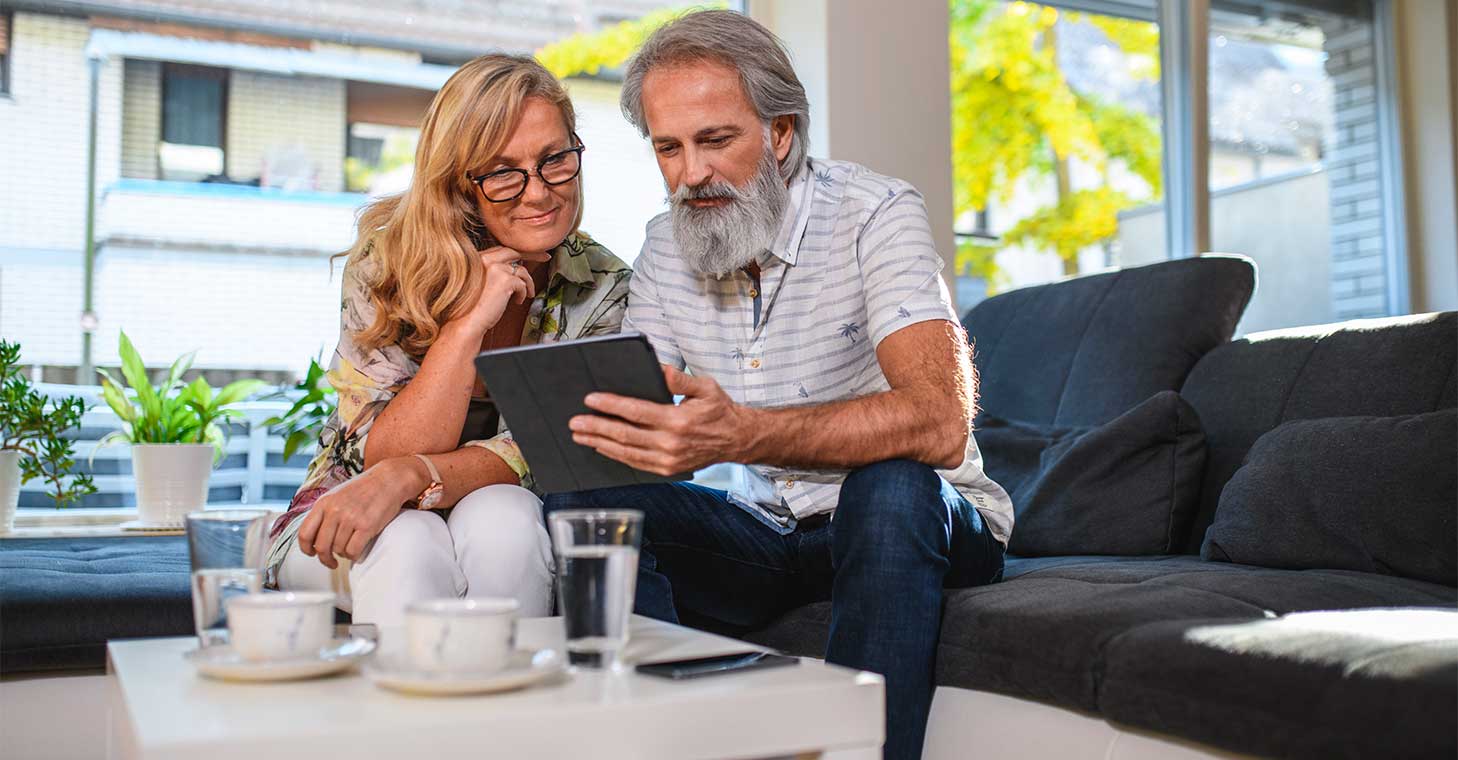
<point x="505" y="185"/>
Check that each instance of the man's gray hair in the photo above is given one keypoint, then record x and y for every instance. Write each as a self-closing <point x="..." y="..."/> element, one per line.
<point x="737" y="41"/>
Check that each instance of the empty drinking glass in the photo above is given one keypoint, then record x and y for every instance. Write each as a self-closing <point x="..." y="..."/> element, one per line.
<point x="597" y="573"/>
<point x="226" y="548"/>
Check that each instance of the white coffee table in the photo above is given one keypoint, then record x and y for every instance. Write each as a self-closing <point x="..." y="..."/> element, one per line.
<point x="160" y="708"/>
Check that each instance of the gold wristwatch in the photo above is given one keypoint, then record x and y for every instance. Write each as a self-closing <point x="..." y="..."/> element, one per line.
<point x="431" y="496"/>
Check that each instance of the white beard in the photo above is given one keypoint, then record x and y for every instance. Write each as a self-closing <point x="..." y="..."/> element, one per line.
<point x="719" y="240"/>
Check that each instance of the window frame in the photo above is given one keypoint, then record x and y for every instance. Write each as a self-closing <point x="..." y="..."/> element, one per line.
<point x="7" y="39"/>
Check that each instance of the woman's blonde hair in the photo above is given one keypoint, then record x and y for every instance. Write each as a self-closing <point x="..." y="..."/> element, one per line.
<point x="421" y="245"/>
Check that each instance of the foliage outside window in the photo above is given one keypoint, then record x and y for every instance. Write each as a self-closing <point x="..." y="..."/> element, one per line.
<point x="1018" y="120"/>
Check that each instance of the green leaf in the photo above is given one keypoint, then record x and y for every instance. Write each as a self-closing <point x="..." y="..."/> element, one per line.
<point x="293" y="442"/>
<point x="136" y="375"/>
<point x="117" y="400"/>
<point x="237" y="391"/>
<point x="174" y="375"/>
<point x="212" y="434"/>
<point x="199" y="394"/>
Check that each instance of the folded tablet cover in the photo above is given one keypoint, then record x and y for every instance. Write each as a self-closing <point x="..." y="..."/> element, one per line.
<point x="538" y="388"/>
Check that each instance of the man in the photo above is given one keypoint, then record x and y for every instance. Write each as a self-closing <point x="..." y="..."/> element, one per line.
<point x="804" y="298"/>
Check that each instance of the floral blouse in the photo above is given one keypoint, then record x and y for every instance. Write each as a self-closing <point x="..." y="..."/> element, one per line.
<point x="586" y="295"/>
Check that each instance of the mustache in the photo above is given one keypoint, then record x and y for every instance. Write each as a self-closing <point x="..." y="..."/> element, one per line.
<point x="706" y="192"/>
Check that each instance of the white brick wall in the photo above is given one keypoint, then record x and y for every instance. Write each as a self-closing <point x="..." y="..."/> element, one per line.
<point x="40" y="304"/>
<point x="1358" y="271"/>
<point x="268" y="112"/>
<point x="44" y="127"/>
<point x="141" y="118"/>
<point x="254" y="311"/>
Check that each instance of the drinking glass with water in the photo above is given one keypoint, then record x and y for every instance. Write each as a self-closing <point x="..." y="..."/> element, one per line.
<point x="597" y="573"/>
<point x="226" y="548"/>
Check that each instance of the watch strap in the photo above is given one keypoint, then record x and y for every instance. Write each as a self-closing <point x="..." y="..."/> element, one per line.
<point x="430" y="467"/>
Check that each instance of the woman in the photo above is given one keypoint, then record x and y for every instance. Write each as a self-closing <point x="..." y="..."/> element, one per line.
<point x="482" y="252"/>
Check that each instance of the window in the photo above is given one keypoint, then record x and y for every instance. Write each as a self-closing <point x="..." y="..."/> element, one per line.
<point x="379" y="158"/>
<point x="1302" y="173"/>
<point x="5" y="22"/>
<point x="1056" y="143"/>
<point x="193" y="111"/>
<point x="1296" y="160"/>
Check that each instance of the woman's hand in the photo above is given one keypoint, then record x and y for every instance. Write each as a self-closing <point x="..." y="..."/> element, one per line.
<point x="346" y="518"/>
<point x="507" y="279"/>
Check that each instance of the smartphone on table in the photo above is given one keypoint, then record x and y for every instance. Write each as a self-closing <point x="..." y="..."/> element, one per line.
<point x="711" y="666"/>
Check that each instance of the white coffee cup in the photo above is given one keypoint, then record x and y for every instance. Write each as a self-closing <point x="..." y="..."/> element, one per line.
<point x="279" y="626"/>
<point x="461" y="635"/>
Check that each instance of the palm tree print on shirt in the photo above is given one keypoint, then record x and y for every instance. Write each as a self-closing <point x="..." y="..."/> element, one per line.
<point x="902" y="312"/>
<point x="850" y="330"/>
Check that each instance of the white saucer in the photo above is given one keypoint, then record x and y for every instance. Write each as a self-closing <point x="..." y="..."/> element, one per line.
<point x="149" y="525"/>
<point x="223" y="663"/>
<point x="526" y="668"/>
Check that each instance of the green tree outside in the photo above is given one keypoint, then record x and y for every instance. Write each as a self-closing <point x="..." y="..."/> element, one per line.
<point x="1016" y="117"/>
<point x="587" y="54"/>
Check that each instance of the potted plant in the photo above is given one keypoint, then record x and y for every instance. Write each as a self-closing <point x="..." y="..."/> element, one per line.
<point x="315" y="404"/>
<point x="32" y="440"/>
<point x="174" y="432"/>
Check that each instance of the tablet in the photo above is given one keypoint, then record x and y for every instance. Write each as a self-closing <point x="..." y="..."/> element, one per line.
<point x="538" y="388"/>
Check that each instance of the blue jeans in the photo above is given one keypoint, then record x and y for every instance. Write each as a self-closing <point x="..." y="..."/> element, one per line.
<point x="900" y="535"/>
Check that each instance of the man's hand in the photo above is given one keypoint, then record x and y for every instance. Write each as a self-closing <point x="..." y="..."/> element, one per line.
<point x="706" y="428"/>
<point x="346" y="518"/>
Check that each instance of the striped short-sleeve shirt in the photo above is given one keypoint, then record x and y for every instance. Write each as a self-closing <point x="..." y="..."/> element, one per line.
<point x="853" y="262"/>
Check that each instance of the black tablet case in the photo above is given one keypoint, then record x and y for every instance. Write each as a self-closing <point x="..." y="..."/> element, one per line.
<point x="538" y="388"/>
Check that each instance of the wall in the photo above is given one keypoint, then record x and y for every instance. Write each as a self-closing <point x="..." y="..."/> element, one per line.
<point x="879" y="79"/>
<point x="141" y="118"/>
<point x="386" y="104"/>
<point x="268" y="113"/>
<point x="1426" y="49"/>
<point x="43" y="155"/>
<point x="43" y="163"/>
<point x="1358" y="249"/>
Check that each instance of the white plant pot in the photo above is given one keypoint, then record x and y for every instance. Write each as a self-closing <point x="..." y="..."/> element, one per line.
<point x="172" y="480"/>
<point x="9" y="488"/>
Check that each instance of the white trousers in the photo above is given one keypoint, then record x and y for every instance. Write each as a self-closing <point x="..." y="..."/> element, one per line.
<point x="494" y="544"/>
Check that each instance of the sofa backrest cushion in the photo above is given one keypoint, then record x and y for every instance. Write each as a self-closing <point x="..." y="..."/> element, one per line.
<point x="1373" y="494"/>
<point x="1377" y="367"/>
<point x="1081" y="352"/>
<point x="1127" y="487"/>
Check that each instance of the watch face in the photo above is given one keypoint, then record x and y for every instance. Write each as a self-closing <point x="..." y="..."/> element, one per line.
<point x="431" y="496"/>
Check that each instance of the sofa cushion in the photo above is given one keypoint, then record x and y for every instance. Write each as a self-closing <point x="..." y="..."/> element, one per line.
<point x="1375" y="494"/>
<point x="1127" y="487"/>
<point x="1375" y="367"/>
<point x="1336" y="684"/>
<point x="61" y="599"/>
<point x="1042" y="634"/>
<point x="1084" y="351"/>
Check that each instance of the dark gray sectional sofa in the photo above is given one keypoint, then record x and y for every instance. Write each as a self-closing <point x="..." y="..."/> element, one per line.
<point x="1281" y="640"/>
